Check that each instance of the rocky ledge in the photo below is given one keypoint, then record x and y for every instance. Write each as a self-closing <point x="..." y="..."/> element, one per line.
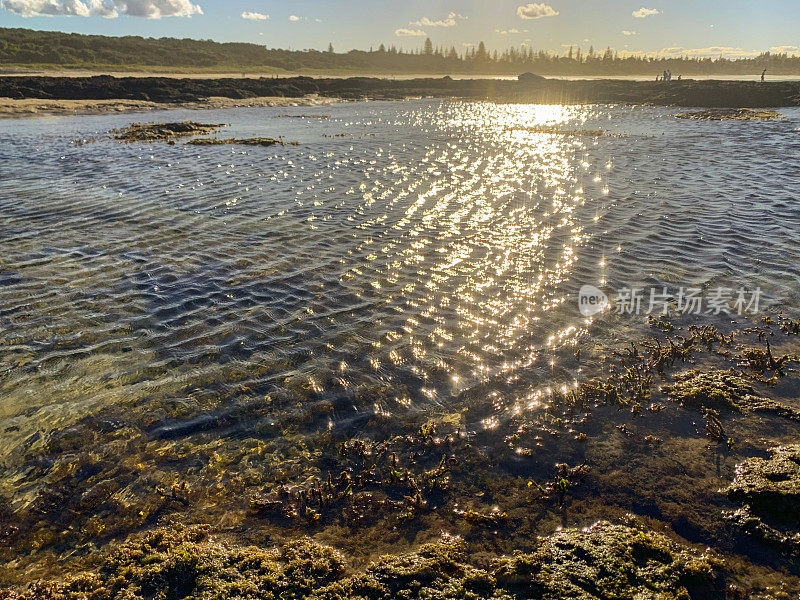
<point x="720" y="94"/>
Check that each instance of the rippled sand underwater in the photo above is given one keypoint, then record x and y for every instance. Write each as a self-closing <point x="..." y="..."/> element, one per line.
<point x="388" y="308"/>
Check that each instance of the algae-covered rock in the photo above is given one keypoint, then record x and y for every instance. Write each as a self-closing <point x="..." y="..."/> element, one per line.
<point x="771" y="487"/>
<point x="720" y="390"/>
<point x="603" y="562"/>
<point x="156" y="132"/>
<point x="611" y="561"/>
<point x="732" y="114"/>
<point x="725" y="391"/>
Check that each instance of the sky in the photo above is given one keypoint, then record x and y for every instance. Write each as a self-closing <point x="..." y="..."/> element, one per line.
<point x="668" y="27"/>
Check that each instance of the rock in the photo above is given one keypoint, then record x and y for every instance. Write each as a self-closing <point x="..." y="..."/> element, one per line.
<point x="611" y="561"/>
<point x="154" y="132"/>
<point x="257" y="141"/>
<point x="723" y="390"/>
<point x="529" y="78"/>
<point x="770" y="487"/>
<point x="603" y="561"/>
<point x="720" y="390"/>
<point x="551" y="129"/>
<point x="528" y="87"/>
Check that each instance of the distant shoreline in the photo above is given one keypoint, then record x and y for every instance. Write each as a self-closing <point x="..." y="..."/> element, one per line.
<point x="25" y="95"/>
<point x="336" y="74"/>
<point x="37" y="107"/>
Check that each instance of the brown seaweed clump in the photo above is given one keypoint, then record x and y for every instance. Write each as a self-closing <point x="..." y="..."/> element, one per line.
<point x="604" y="561"/>
<point x="732" y="114"/>
<point x="723" y="390"/>
<point x="256" y="141"/>
<point x="163" y="132"/>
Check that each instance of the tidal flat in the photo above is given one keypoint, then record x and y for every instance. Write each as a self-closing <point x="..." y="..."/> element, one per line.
<point x="356" y="367"/>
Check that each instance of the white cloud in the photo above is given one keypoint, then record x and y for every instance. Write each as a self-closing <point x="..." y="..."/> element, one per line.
<point x="151" y="9"/>
<point x="536" y="11"/>
<point x="409" y="32"/>
<point x="626" y="32"/>
<point x="450" y="21"/>
<point x="643" y="12"/>
<point x="509" y="31"/>
<point x="155" y="9"/>
<point x="254" y="16"/>
<point x="711" y="51"/>
<point x="53" y="8"/>
<point x="295" y="18"/>
<point x="785" y="49"/>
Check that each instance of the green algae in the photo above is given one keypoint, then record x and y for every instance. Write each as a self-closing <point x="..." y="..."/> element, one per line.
<point x="604" y="561"/>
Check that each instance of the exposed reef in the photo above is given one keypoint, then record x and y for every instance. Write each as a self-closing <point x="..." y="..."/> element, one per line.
<point x="157" y="132"/>
<point x="605" y="561"/>
<point x="732" y="114"/>
<point x="719" y="94"/>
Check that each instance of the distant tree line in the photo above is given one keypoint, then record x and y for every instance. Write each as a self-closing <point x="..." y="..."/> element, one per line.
<point x="29" y="47"/>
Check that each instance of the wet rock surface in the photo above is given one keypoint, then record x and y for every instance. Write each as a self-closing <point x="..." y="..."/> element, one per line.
<point x="603" y="562"/>
<point x="719" y="94"/>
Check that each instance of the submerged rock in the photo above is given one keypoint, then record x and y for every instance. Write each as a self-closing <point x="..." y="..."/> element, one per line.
<point x="732" y="114"/>
<point x="155" y="132"/>
<point x="558" y="131"/>
<point x="256" y="141"/>
<point x="604" y="561"/>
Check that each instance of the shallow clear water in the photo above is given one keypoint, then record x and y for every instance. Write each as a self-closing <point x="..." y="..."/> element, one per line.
<point x="431" y="254"/>
<point x="431" y="247"/>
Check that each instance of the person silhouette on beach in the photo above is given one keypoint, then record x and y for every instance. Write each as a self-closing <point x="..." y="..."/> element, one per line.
<point x="763" y="75"/>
